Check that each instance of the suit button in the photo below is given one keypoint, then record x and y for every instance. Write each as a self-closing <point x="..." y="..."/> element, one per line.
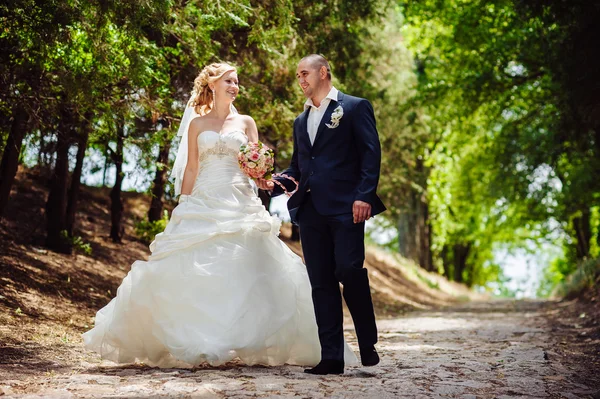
<point x="312" y="173"/>
<point x="312" y="157"/>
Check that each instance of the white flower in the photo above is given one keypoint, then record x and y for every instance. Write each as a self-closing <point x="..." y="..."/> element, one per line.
<point x="336" y="116"/>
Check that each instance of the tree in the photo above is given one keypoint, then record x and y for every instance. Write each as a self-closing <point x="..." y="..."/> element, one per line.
<point x="496" y="80"/>
<point x="56" y="205"/>
<point x="155" y="211"/>
<point x="116" y="204"/>
<point x="73" y="195"/>
<point x="29" y="30"/>
<point x="123" y="72"/>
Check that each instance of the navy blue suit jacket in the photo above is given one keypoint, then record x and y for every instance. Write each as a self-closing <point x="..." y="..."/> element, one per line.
<point x="343" y="163"/>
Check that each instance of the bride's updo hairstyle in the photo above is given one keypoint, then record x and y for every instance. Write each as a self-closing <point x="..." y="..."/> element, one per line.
<point x="202" y="99"/>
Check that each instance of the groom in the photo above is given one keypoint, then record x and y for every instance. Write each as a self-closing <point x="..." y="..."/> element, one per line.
<point x="336" y="160"/>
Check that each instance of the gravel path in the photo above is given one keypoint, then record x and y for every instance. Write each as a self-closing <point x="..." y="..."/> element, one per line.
<point x="478" y="350"/>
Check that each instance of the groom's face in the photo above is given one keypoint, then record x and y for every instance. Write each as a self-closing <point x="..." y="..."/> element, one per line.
<point x="309" y="78"/>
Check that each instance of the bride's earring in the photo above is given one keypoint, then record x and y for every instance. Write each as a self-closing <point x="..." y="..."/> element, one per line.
<point x="214" y="98"/>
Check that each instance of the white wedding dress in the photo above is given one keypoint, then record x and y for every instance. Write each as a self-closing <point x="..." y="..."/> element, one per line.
<point x="219" y="284"/>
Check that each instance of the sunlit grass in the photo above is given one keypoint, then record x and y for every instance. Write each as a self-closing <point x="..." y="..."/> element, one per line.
<point x="586" y="276"/>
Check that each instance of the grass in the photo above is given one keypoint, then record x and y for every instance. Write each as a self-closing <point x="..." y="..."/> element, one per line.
<point x="428" y="282"/>
<point x="585" y="277"/>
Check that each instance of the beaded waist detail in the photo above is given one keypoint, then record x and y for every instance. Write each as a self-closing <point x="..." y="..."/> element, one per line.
<point x="220" y="150"/>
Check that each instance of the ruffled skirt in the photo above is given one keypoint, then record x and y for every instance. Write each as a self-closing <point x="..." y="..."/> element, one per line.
<point x="219" y="285"/>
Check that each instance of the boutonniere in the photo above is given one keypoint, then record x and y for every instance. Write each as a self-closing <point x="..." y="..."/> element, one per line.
<point x="336" y="117"/>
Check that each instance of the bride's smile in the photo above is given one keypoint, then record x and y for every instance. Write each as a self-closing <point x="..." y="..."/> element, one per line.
<point x="228" y="85"/>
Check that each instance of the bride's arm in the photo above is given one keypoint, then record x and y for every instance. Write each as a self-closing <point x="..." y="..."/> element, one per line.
<point x="191" y="167"/>
<point x="251" y="129"/>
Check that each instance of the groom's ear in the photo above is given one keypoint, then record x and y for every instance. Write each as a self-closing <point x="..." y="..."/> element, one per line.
<point x="323" y="72"/>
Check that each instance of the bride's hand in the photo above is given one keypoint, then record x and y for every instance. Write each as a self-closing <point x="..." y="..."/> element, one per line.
<point x="183" y="198"/>
<point x="263" y="184"/>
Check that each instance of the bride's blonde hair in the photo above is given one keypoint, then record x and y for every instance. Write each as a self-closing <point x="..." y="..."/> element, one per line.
<point x="202" y="100"/>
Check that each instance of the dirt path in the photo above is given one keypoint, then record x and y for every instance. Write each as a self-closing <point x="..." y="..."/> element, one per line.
<point x="487" y="350"/>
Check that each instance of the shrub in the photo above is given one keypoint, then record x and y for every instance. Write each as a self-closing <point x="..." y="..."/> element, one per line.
<point x="585" y="277"/>
<point x="77" y="243"/>
<point x="147" y="230"/>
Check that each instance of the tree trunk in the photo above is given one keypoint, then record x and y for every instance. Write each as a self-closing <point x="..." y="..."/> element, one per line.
<point x="160" y="179"/>
<point x="414" y="235"/>
<point x="40" y="154"/>
<point x="10" y="157"/>
<point x="460" y="255"/>
<point x="454" y="258"/>
<point x="47" y="149"/>
<point x="424" y="235"/>
<point x="116" y="208"/>
<point x="106" y="165"/>
<point x="76" y="177"/>
<point x="56" y="205"/>
<point x="583" y="233"/>
<point x="414" y="230"/>
<point x="446" y="263"/>
<point x="407" y="233"/>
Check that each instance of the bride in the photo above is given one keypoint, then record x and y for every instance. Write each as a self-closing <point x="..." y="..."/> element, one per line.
<point x="219" y="283"/>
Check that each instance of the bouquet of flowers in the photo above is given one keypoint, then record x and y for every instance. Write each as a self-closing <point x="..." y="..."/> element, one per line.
<point x="257" y="161"/>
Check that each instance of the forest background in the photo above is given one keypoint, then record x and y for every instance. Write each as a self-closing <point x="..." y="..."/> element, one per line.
<point x="488" y="114"/>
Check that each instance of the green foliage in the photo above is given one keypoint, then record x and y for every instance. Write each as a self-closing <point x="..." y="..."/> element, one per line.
<point x="586" y="275"/>
<point x="500" y="288"/>
<point x="147" y="230"/>
<point x="431" y="284"/>
<point x="510" y="162"/>
<point x="380" y="233"/>
<point x="554" y="274"/>
<point x="594" y="244"/>
<point x="77" y="243"/>
<point x="484" y="118"/>
<point x="387" y="78"/>
<point x="125" y="70"/>
<point x="566" y="274"/>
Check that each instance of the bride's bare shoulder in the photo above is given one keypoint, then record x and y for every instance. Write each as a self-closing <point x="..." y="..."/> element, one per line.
<point x="245" y="118"/>
<point x="198" y="124"/>
<point x="250" y="125"/>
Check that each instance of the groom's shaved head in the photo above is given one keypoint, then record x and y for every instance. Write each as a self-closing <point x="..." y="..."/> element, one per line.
<point x="317" y="61"/>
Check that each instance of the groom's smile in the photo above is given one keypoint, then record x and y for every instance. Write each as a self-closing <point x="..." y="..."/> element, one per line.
<point x="304" y="74"/>
<point x="305" y="86"/>
<point x="313" y="80"/>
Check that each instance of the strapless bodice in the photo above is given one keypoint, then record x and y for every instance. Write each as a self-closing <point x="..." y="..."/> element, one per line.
<point x="219" y="173"/>
<point x="220" y="145"/>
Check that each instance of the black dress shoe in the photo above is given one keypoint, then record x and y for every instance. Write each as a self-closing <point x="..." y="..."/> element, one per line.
<point x="327" y="366"/>
<point x="369" y="356"/>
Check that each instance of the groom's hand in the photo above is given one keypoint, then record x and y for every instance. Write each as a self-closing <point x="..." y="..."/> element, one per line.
<point x="361" y="211"/>
<point x="263" y="184"/>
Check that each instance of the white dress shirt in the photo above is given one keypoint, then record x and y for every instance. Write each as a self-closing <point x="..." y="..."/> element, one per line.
<point x="316" y="113"/>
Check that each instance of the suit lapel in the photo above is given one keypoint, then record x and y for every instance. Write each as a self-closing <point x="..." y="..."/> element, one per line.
<point x="327" y="116"/>
<point x="303" y="134"/>
<point x="326" y="119"/>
